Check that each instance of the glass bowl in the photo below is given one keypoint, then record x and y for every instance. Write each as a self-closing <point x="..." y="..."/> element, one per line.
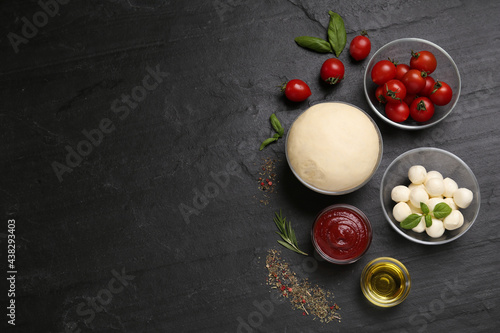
<point x="400" y="51"/>
<point x="344" y="191"/>
<point x="385" y="282"/>
<point x="339" y="243"/>
<point x="448" y="165"/>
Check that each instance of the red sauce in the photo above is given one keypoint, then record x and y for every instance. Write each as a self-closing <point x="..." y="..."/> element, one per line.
<point x="341" y="234"/>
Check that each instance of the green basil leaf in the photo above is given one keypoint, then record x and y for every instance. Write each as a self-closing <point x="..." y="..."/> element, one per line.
<point x="336" y="33"/>
<point x="266" y="142"/>
<point x="428" y="221"/>
<point x="314" y="43"/>
<point x="441" y="210"/>
<point x="275" y="123"/>
<point x="424" y="208"/>
<point x="411" y="221"/>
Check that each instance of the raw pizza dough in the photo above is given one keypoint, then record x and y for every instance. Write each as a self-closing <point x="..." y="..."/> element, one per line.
<point x="333" y="146"/>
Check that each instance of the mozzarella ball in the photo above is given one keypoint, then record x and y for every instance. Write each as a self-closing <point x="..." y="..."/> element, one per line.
<point x="433" y="174"/>
<point x="434" y="186"/>
<point x="400" y="193"/>
<point x="417" y="174"/>
<point x="450" y="203"/>
<point x="453" y="221"/>
<point x="420" y="226"/>
<point x="433" y="202"/>
<point x="412" y="186"/>
<point x="436" y="230"/>
<point x="463" y="197"/>
<point x="418" y="195"/>
<point x="414" y="210"/>
<point x="450" y="186"/>
<point x="401" y="211"/>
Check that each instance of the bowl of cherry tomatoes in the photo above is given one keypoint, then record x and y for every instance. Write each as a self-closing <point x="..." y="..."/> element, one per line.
<point x="412" y="83"/>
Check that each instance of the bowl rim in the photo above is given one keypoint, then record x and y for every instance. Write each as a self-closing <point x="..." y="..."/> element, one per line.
<point x="405" y="126"/>
<point x="398" y="230"/>
<point x="317" y="189"/>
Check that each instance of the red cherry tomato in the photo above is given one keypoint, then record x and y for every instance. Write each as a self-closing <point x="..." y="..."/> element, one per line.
<point x="428" y="88"/>
<point x="297" y="90"/>
<point x="380" y="94"/>
<point x="401" y="70"/>
<point x="409" y="98"/>
<point x="397" y="112"/>
<point x="421" y="109"/>
<point x="360" y="47"/>
<point x="394" y="91"/>
<point x="423" y="61"/>
<point x="441" y="93"/>
<point x="332" y="71"/>
<point x="383" y="71"/>
<point x="414" y="81"/>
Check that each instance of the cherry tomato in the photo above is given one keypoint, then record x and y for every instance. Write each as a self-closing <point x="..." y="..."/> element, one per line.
<point x="397" y="112"/>
<point x="383" y="71"/>
<point x="401" y="70"/>
<point x="360" y="47"/>
<point x="409" y="98"/>
<point x="428" y="88"/>
<point x="414" y="81"/>
<point x="380" y="94"/>
<point x="421" y="109"/>
<point x="332" y="71"/>
<point x="423" y="61"/>
<point x="297" y="90"/>
<point x="394" y="91"/>
<point x="441" y="93"/>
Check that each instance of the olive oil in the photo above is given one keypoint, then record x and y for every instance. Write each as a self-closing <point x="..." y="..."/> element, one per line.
<point x="385" y="282"/>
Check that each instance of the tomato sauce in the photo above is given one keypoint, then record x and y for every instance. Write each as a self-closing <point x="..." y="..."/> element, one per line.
<point x="341" y="234"/>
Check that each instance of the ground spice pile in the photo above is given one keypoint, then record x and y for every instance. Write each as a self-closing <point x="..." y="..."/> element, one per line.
<point x="266" y="179"/>
<point x="310" y="300"/>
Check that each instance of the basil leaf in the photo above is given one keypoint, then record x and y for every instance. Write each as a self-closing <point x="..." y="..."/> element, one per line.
<point x="275" y="123"/>
<point x="441" y="210"/>
<point x="424" y="208"/>
<point x="428" y="221"/>
<point x="314" y="43"/>
<point x="411" y="221"/>
<point x="266" y="142"/>
<point x="336" y="33"/>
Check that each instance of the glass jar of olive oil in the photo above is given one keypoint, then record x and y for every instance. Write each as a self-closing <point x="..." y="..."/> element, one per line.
<point x="385" y="282"/>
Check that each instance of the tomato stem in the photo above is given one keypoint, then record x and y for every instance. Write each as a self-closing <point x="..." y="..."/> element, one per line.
<point x="415" y="54"/>
<point x="437" y="85"/>
<point x="333" y="80"/>
<point x="421" y="106"/>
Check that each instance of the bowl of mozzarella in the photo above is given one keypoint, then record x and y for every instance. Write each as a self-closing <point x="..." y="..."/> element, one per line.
<point x="434" y="182"/>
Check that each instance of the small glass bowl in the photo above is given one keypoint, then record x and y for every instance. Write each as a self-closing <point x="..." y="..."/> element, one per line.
<point x="449" y="165"/>
<point x="341" y="192"/>
<point x="373" y="271"/>
<point x="359" y="214"/>
<point x="400" y="51"/>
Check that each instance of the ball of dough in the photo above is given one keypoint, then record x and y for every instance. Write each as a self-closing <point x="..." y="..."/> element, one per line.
<point x="418" y="195"/>
<point x="400" y="193"/>
<point x="436" y="230"/>
<point x="401" y="211"/>
<point x="420" y="226"/>
<point x="453" y="221"/>
<point x="450" y="203"/>
<point x="417" y="174"/>
<point x="434" y="186"/>
<point x="333" y="146"/>
<point x="433" y="202"/>
<point x="463" y="197"/>
<point x="433" y="174"/>
<point x="450" y="186"/>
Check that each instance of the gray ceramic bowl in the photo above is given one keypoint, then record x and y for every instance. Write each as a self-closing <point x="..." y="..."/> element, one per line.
<point x="432" y="159"/>
<point x="400" y="50"/>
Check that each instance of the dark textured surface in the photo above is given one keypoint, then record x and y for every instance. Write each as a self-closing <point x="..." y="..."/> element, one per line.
<point x="119" y="208"/>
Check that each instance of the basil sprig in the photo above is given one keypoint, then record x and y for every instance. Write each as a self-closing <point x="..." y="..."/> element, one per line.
<point x="275" y="123"/>
<point x="440" y="211"/>
<point x="336" y="37"/>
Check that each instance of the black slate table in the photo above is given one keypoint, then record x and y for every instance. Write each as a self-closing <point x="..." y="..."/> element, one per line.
<point x="129" y="163"/>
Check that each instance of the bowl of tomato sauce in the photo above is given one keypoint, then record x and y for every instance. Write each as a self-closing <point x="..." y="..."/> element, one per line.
<point x="341" y="234"/>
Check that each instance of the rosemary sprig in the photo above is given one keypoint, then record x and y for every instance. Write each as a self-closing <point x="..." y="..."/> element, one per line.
<point x="287" y="234"/>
